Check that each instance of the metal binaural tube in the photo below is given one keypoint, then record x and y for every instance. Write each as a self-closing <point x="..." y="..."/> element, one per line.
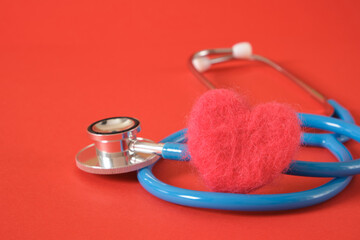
<point x="314" y="93"/>
<point x="226" y="54"/>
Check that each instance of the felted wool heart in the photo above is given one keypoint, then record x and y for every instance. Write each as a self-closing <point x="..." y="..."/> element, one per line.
<point x="237" y="148"/>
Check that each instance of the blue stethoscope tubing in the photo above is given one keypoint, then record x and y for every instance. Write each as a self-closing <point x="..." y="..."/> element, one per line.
<point x="343" y="129"/>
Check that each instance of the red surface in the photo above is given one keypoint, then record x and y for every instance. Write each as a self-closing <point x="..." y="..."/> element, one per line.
<point x="64" y="64"/>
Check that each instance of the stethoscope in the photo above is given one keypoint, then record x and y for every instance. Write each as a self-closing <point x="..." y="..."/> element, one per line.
<point x="117" y="149"/>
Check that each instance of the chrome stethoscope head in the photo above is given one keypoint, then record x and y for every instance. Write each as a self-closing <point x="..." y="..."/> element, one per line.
<point x="116" y="148"/>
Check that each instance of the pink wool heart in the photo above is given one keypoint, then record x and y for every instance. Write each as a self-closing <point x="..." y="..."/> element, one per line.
<point x="237" y="148"/>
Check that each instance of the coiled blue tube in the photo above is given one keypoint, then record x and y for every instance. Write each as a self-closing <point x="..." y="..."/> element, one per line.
<point x="243" y="202"/>
<point x="271" y="202"/>
<point x="344" y="129"/>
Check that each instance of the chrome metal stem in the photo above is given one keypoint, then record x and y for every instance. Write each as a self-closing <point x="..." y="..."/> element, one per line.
<point x="140" y="146"/>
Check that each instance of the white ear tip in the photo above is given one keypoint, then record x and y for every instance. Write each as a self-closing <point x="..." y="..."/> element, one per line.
<point x="201" y="63"/>
<point x="242" y="50"/>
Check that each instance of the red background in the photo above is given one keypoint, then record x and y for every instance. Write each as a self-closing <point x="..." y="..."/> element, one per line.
<point x="65" y="64"/>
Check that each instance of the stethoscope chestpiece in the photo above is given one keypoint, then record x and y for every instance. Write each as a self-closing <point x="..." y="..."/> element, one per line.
<point x="112" y="151"/>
